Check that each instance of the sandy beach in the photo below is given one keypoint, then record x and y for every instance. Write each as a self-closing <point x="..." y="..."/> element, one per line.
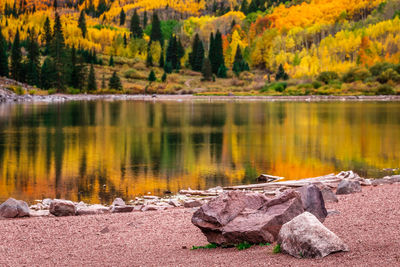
<point x="367" y="222"/>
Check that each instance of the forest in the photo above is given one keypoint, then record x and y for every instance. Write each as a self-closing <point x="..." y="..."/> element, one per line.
<point x="258" y="47"/>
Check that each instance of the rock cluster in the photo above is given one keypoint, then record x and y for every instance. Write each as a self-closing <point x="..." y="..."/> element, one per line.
<point x="13" y="208"/>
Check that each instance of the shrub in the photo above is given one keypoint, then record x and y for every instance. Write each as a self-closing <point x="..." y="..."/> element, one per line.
<point x="305" y="86"/>
<point x="278" y="87"/>
<point x="356" y="74"/>
<point x="316" y="84"/>
<point x="277" y="249"/>
<point x="244" y="245"/>
<point x="208" y="246"/>
<point x="385" y="89"/>
<point x="246" y="76"/>
<point x="73" y="91"/>
<point x="388" y="75"/>
<point x="380" y="67"/>
<point x="327" y="76"/>
<point x="17" y="90"/>
<point x="52" y="91"/>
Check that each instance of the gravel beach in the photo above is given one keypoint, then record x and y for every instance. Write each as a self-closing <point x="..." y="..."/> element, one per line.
<point x="368" y="222"/>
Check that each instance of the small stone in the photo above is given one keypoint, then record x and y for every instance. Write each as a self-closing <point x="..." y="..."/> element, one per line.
<point x="60" y="207"/>
<point x="121" y="209"/>
<point x="118" y="202"/>
<point x="174" y="203"/>
<point x="105" y="230"/>
<point x="192" y="203"/>
<point x="348" y="187"/>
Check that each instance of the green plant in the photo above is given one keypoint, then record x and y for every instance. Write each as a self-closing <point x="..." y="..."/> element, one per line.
<point x="327" y="76"/>
<point x="356" y="74"/>
<point x="264" y="244"/>
<point x="388" y="75"/>
<point x="316" y="84"/>
<point x="73" y="91"/>
<point x="385" y="89"/>
<point x="277" y="87"/>
<point x="52" y="91"/>
<point x="244" y="245"/>
<point x="277" y="249"/>
<point x="208" y="246"/>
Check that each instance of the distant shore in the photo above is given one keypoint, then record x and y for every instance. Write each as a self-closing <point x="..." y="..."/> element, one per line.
<point x="88" y="97"/>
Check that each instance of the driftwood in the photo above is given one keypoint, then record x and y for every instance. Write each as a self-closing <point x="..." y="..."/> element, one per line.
<point x="268" y="178"/>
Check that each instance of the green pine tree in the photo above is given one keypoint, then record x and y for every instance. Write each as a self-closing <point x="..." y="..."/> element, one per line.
<point x="91" y="85"/>
<point x="152" y="76"/>
<point x="281" y="74"/>
<point x="103" y="82"/>
<point x="101" y="8"/>
<point x="77" y="77"/>
<point x="156" y="32"/>
<point x="82" y="23"/>
<point x="196" y="57"/>
<point x="136" y="30"/>
<point x="122" y="17"/>
<point x="16" y="59"/>
<point x="164" y="77"/>
<point x="111" y="61"/>
<point x="47" y="74"/>
<point x="33" y="64"/>
<point x="207" y="70"/>
<point x="48" y="36"/>
<point x="3" y="56"/>
<point x="115" y="82"/>
<point x="145" y="19"/>
<point x="57" y="53"/>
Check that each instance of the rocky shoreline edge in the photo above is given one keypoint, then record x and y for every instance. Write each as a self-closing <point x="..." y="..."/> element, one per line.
<point x="343" y="183"/>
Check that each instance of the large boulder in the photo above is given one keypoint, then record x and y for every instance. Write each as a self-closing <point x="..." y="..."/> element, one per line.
<point x="348" y="187"/>
<point x="13" y="208"/>
<point x="238" y="216"/>
<point x="60" y="207"/>
<point x="313" y="201"/>
<point x="306" y="237"/>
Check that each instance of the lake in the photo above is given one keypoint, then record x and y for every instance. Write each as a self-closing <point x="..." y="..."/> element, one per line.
<point x="97" y="150"/>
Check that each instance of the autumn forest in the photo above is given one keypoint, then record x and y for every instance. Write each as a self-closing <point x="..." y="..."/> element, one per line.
<point x="244" y="47"/>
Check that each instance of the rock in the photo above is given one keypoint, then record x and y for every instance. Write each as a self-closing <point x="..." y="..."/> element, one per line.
<point x="121" y="209"/>
<point x="348" y="187"/>
<point x="387" y="180"/>
<point x="153" y="207"/>
<point x="60" y="207"/>
<point x="174" y="203"/>
<point x="91" y="210"/>
<point x="313" y="201"/>
<point x="328" y="194"/>
<point x="151" y="197"/>
<point x="47" y="202"/>
<point x="13" y="208"/>
<point x="39" y="213"/>
<point x="118" y="202"/>
<point x="238" y="216"/>
<point x="306" y="237"/>
<point x="192" y="203"/>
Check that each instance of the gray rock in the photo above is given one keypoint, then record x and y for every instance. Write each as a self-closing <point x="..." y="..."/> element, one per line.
<point x="121" y="209"/>
<point x="192" y="203"/>
<point x="153" y="207"/>
<point x="118" y="202"/>
<point x="13" y="208"/>
<point x="306" y="237"/>
<point x="238" y="216"/>
<point x="348" y="187"/>
<point x="60" y="207"/>
<point x="174" y="203"/>
<point x="328" y="195"/>
<point x="91" y="210"/>
<point x="313" y="201"/>
<point x="386" y="180"/>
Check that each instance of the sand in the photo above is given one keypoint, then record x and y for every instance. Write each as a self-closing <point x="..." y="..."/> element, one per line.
<point x="368" y="222"/>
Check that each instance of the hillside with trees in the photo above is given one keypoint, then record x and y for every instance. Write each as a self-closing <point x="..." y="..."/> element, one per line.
<point x="205" y="47"/>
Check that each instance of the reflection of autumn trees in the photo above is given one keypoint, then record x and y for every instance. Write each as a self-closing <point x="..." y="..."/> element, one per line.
<point x="96" y="150"/>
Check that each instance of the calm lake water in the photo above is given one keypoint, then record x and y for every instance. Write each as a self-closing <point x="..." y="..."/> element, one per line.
<point x="95" y="151"/>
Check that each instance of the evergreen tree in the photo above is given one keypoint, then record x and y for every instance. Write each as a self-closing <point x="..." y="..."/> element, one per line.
<point x="239" y="63"/>
<point x="152" y="76"/>
<point x="164" y="77"/>
<point x="216" y="55"/>
<point x="196" y="58"/>
<point x="149" y="58"/>
<point x="91" y="85"/>
<point x="16" y="59"/>
<point x="47" y="74"/>
<point x="91" y="11"/>
<point x="48" y="36"/>
<point x="145" y="19"/>
<point x="222" y="71"/>
<point x="82" y="23"/>
<point x="3" y="56"/>
<point x="207" y="70"/>
<point x="77" y="79"/>
<point x="136" y="30"/>
<point x="101" y="7"/>
<point x="281" y="74"/>
<point x="156" y="33"/>
<point x="55" y="4"/>
<point x="122" y="17"/>
<point x="244" y="7"/>
<point x="58" y="53"/>
<point x="111" y="61"/>
<point x="125" y="40"/>
<point x="33" y="64"/>
<point x="161" y="63"/>
<point x="115" y="82"/>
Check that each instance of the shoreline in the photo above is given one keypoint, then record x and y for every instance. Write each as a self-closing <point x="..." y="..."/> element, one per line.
<point x="57" y="98"/>
<point x="366" y="221"/>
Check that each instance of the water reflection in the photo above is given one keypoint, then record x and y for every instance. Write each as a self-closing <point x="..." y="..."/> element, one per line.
<point x="94" y="151"/>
